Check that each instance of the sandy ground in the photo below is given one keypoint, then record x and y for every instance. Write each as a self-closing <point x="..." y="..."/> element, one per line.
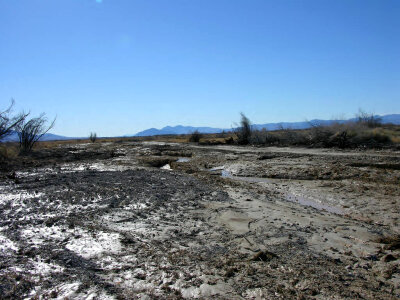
<point x="170" y="221"/>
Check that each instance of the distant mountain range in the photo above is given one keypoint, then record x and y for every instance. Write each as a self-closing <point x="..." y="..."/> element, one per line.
<point x="13" y="137"/>
<point x="386" y="119"/>
<point x="179" y="129"/>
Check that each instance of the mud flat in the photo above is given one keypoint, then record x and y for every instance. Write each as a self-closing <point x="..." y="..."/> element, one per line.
<point x="171" y="221"/>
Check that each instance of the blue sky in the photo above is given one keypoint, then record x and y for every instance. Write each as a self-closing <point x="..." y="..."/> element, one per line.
<point x="120" y="66"/>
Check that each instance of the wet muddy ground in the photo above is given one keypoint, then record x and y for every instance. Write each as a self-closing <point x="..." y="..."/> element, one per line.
<point x="170" y="221"/>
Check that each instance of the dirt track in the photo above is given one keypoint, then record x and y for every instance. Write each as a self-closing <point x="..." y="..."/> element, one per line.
<point x="105" y="221"/>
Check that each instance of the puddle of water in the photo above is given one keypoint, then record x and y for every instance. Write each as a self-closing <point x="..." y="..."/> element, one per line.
<point x="226" y="174"/>
<point x="222" y="168"/>
<point x="183" y="159"/>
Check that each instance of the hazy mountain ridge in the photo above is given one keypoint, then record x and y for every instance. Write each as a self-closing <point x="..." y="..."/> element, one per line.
<point x="13" y="137"/>
<point x="179" y="129"/>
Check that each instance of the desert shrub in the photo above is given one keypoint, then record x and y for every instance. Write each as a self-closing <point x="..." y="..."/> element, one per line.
<point x="287" y="137"/>
<point x="368" y="119"/>
<point x="29" y="132"/>
<point x="272" y="139"/>
<point x="93" y="137"/>
<point x="346" y="135"/>
<point x="244" y="131"/>
<point x="339" y="139"/>
<point x="365" y="131"/>
<point x="371" y="138"/>
<point x="195" y="137"/>
<point x="295" y="137"/>
<point x="258" y="137"/>
<point x="8" y="122"/>
<point x="320" y="136"/>
<point x="229" y="141"/>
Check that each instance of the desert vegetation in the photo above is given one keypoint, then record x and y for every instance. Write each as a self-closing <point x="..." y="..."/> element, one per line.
<point x="366" y="131"/>
<point x="244" y="131"/>
<point x="93" y="137"/>
<point x="9" y="122"/>
<point x="195" y="137"/>
<point x="348" y="135"/>
<point x="30" y="131"/>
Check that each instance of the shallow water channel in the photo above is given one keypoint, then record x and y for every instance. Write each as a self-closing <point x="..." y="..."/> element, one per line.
<point x="183" y="159"/>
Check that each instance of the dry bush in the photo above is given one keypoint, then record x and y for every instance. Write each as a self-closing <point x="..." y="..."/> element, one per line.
<point x="195" y="137"/>
<point x="372" y="138"/>
<point x="368" y="119"/>
<point x="244" y="131"/>
<point x="29" y="132"/>
<point x="345" y="135"/>
<point x="93" y="137"/>
<point x="282" y="137"/>
<point x="229" y="141"/>
<point x="8" y="122"/>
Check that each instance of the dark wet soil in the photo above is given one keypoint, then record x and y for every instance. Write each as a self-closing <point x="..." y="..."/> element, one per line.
<point x="104" y="222"/>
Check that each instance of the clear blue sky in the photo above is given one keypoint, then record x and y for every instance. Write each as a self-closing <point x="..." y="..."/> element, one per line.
<point x="120" y="66"/>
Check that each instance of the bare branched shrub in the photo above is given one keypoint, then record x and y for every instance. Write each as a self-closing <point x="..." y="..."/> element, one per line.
<point x="289" y="136"/>
<point x="29" y="132"/>
<point x="8" y="122"/>
<point x="340" y="139"/>
<point x="93" y="137"/>
<point x="259" y="137"/>
<point x="272" y="139"/>
<point x="368" y="119"/>
<point x="319" y="135"/>
<point x="195" y="137"/>
<point x="244" y="131"/>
